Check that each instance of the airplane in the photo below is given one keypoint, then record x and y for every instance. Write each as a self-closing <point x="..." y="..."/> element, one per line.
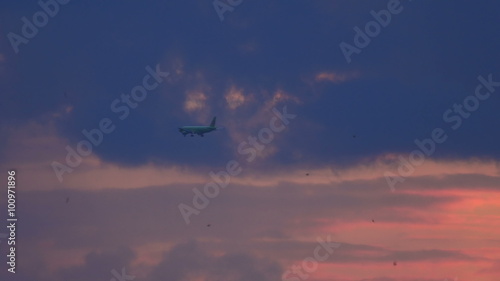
<point x="199" y="130"/>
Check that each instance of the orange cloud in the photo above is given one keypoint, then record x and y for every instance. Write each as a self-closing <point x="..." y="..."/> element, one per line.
<point x="335" y="77"/>
<point x="195" y="100"/>
<point x="234" y="98"/>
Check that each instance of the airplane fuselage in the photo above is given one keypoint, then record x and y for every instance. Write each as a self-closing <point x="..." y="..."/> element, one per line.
<point x="196" y="130"/>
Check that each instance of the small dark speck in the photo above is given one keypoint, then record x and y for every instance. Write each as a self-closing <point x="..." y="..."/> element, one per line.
<point x="208" y="225"/>
<point x="307" y="174"/>
<point x="395" y="263"/>
<point x="373" y="220"/>
<point x="67" y="200"/>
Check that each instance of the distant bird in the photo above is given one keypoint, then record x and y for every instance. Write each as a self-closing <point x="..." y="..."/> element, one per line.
<point x="353" y="136"/>
<point x="307" y="174"/>
<point x="395" y="263"/>
<point x="373" y="220"/>
<point x="67" y="200"/>
<point x="208" y="225"/>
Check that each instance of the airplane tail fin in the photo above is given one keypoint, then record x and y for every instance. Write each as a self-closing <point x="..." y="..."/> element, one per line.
<point x="212" y="124"/>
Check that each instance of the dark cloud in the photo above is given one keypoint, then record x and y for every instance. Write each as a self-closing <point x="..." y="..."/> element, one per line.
<point x="102" y="265"/>
<point x="408" y="76"/>
<point x="135" y="217"/>
<point x="459" y="181"/>
<point x="189" y="261"/>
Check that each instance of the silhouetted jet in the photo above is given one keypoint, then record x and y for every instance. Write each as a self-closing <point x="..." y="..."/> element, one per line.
<point x="199" y="130"/>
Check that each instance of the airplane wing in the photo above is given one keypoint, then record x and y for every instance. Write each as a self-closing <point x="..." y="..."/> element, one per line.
<point x="185" y="131"/>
